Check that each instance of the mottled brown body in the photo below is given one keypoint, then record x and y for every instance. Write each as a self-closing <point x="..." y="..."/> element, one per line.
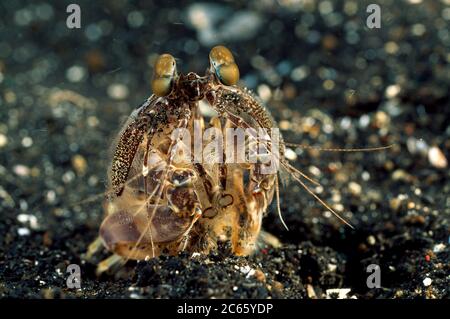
<point x="161" y="199"/>
<point x="160" y="205"/>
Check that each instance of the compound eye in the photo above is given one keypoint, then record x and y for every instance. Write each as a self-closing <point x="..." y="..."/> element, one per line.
<point x="164" y="74"/>
<point x="223" y="65"/>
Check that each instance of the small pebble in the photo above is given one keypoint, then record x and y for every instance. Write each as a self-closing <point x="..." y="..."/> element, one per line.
<point x="314" y="170"/>
<point x="247" y="270"/>
<point x="415" y="219"/>
<point x="26" y="218"/>
<point x="365" y="176"/>
<point x="23" y="231"/>
<point x="51" y="196"/>
<point x="75" y="73"/>
<point x="47" y="239"/>
<point x="21" y="170"/>
<point x="438" y="248"/>
<point x="354" y="188"/>
<point x="310" y="291"/>
<point x="284" y="125"/>
<point x="242" y="25"/>
<point x="68" y="177"/>
<point x="418" y="29"/>
<point x="93" y="180"/>
<point x="6" y="198"/>
<point x="3" y="140"/>
<point x="328" y="85"/>
<point x="290" y="154"/>
<point x="417" y="146"/>
<point x="264" y="92"/>
<point x="392" y="91"/>
<point x="118" y="91"/>
<point x="437" y="158"/>
<point x="371" y="240"/>
<point x="135" y="19"/>
<point x="391" y="48"/>
<point x="427" y="282"/>
<point x="299" y="73"/>
<point x="381" y="119"/>
<point x="364" y="121"/>
<point x="277" y="285"/>
<point x="259" y="275"/>
<point x="27" y="141"/>
<point x="79" y="164"/>
<point x="332" y="267"/>
<point x="92" y="121"/>
<point x="395" y="204"/>
<point x="400" y="175"/>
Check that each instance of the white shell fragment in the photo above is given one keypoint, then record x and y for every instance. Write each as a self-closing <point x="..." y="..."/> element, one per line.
<point x="438" y="248"/>
<point x="23" y="231"/>
<point x="290" y="154"/>
<point x="437" y="158"/>
<point x="427" y="281"/>
<point x="341" y="293"/>
<point x="28" y="219"/>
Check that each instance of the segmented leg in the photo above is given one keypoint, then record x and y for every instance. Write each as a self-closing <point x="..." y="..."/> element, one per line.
<point x="93" y="249"/>
<point x="246" y="218"/>
<point x="110" y="265"/>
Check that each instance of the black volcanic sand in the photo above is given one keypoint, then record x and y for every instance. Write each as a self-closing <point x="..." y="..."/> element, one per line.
<point x="327" y="79"/>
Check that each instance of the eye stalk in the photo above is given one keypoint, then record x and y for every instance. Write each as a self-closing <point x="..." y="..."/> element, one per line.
<point x="223" y="65"/>
<point x="164" y="74"/>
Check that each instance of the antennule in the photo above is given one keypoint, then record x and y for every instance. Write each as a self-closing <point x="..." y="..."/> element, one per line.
<point x="318" y="148"/>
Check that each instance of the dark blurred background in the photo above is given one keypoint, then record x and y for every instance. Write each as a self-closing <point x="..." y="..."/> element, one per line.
<point x="328" y="79"/>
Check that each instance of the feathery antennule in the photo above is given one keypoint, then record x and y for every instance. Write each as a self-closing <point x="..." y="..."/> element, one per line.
<point x="291" y="169"/>
<point x="322" y="202"/>
<point x="318" y="148"/>
<point x="277" y="190"/>
<point x="295" y="172"/>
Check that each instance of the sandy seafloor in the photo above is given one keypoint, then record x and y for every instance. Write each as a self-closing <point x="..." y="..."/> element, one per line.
<point x="328" y="80"/>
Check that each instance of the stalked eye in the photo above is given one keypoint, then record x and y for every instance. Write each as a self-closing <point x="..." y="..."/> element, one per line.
<point x="163" y="75"/>
<point x="223" y="65"/>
